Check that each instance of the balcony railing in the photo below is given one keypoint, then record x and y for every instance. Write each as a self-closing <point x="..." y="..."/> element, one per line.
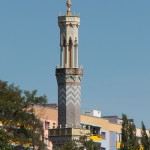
<point x="96" y="138"/>
<point x="69" y="71"/>
<point x="118" y="144"/>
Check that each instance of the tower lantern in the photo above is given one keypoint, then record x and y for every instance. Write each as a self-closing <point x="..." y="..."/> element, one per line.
<point x="69" y="74"/>
<point x="69" y="25"/>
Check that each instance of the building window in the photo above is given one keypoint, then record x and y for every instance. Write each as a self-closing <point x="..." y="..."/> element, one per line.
<point x="102" y="148"/>
<point x="118" y="137"/>
<point x="103" y="134"/>
<point x="46" y="141"/>
<point x="47" y="125"/>
<point x="53" y="125"/>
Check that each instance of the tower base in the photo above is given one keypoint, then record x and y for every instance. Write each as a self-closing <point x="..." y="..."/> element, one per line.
<point x="60" y="136"/>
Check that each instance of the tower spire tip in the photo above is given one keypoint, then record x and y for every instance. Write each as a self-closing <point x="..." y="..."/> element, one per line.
<point x="68" y="3"/>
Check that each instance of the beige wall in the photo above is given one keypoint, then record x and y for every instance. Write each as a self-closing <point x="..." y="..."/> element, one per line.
<point x="50" y="115"/>
<point x="103" y="123"/>
<point x="46" y="113"/>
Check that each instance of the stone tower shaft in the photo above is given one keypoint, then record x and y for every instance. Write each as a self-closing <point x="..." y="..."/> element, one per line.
<point x="69" y="74"/>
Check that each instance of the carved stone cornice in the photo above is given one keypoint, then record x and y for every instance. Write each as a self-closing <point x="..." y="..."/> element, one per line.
<point x="69" y="71"/>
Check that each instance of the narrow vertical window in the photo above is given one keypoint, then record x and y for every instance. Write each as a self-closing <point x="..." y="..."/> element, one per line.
<point x="47" y="125"/>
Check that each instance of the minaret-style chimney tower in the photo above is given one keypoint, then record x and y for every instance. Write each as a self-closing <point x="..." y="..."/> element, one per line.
<point x="69" y="74"/>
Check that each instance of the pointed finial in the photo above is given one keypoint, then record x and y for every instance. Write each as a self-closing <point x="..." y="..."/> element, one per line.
<point x="68" y="3"/>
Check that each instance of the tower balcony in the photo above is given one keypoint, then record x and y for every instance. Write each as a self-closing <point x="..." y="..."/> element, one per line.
<point x="68" y="132"/>
<point x="69" y="19"/>
<point x="69" y="71"/>
<point x="60" y="136"/>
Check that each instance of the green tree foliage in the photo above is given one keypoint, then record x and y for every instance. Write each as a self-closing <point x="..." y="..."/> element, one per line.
<point x="70" y="145"/>
<point x="82" y="144"/>
<point x="124" y="132"/>
<point x="4" y="145"/>
<point x="133" y="142"/>
<point x="144" y="139"/>
<point x="128" y="134"/>
<point x="149" y="139"/>
<point x="20" y="124"/>
<point x="88" y="144"/>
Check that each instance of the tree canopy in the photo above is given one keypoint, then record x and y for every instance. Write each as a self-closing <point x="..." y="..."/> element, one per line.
<point x="145" y="140"/>
<point x="20" y="126"/>
<point x="128" y="134"/>
<point x="82" y="144"/>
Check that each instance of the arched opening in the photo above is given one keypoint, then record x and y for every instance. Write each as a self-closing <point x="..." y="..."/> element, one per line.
<point x="64" y="42"/>
<point x="70" y="53"/>
<point x="76" y="52"/>
<point x="64" y="53"/>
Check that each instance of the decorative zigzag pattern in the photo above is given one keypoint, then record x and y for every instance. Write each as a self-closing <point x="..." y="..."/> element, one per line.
<point x="73" y="104"/>
<point x="61" y="105"/>
<point x="69" y="104"/>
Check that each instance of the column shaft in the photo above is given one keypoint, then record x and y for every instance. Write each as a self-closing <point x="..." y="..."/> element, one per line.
<point x="66" y="65"/>
<point x="61" y="57"/>
<point x="66" y="56"/>
<point x="64" y="61"/>
<point x="72" y="57"/>
<point x="76" y="47"/>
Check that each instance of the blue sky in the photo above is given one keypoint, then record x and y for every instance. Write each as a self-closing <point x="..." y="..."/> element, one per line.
<point x="114" y="51"/>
